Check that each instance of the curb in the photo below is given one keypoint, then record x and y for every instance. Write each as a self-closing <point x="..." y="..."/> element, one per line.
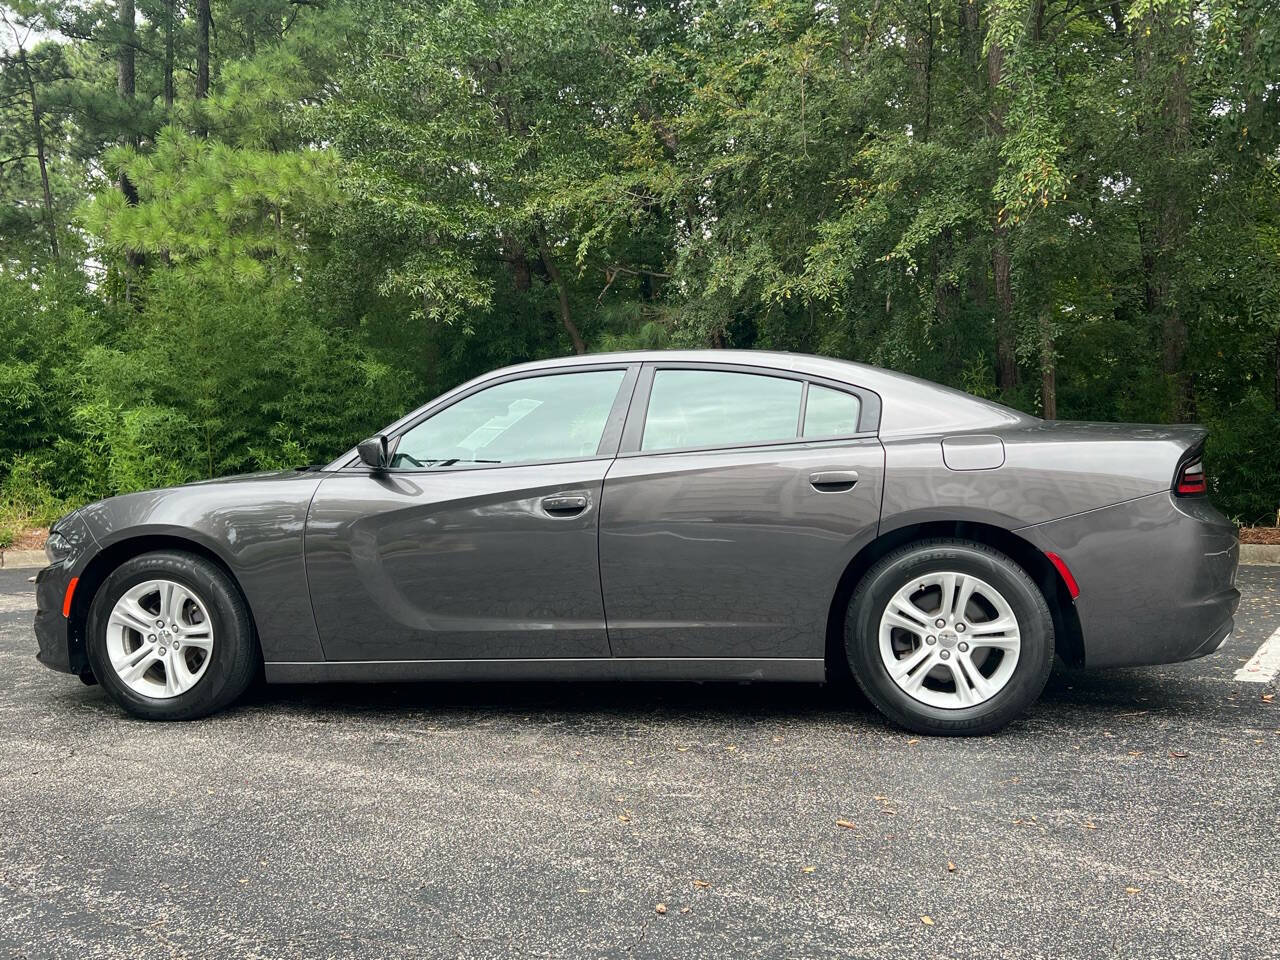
<point x="1260" y="553"/>
<point x="22" y="559"/>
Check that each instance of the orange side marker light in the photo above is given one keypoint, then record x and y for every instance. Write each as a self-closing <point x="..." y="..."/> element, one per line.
<point x="66" y="601"/>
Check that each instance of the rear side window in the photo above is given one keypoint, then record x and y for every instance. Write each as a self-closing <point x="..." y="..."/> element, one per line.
<point x="712" y="408"/>
<point x="829" y="413"/>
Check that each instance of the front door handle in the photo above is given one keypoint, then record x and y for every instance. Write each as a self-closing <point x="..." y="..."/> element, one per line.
<point x="564" y="506"/>
<point x="833" y="481"/>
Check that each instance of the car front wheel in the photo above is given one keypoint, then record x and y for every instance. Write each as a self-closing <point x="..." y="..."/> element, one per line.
<point x="949" y="637"/>
<point x="169" y="637"/>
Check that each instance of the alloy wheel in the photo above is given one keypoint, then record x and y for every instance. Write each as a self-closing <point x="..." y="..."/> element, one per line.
<point x="159" y="638"/>
<point x="949" y="640"/>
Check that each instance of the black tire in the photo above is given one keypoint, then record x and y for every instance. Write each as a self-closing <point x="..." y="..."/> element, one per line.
<point x="233" y="661"/>
<point x="897" y="569"/>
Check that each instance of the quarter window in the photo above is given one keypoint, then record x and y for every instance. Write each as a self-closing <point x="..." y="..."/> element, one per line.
<point x="712" y="408"/>
<point x="829" y="413"/>
<point x="555" y="417"/>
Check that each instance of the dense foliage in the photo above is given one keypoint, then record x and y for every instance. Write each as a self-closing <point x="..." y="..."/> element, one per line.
<point x="238" y="234"/>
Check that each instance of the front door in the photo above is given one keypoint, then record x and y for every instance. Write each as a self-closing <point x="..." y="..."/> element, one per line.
<point x="732" y="512"/>
<point x="480" y="541"/>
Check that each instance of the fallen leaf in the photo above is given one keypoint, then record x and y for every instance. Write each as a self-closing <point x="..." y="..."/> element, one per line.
<point x="684" y="909"/>
<point x="810" y="869"/>
<point x="888" y="811"/>
<point x="660" y="908"/>
<point x="847" y="824"/>
<point x="1268" y="698"/>
<point x="1090" y="825"/>
<point x="777" y="739"/>
<point x="927" y="921"/>
<point x="583" y="890"/>
<point x="702" y="883"/>
<point x="683" y="749"/>
<point x="731" y="749"/>
<point x="913" y="741"/>
<point x="1177" y="754"/>
<point x="623" y="818"/>
<point x="1132" y="890"/>
<point x="1135" y="753"/>
<point x="882" y="799"/>
<point x="951" y="867"/>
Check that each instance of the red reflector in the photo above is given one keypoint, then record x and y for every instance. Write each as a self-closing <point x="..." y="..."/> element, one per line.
<point x="66" y="601"/>
<point x="1060" y="565"/>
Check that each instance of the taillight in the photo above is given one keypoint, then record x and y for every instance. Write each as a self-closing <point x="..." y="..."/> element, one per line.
<point x="1190" y="481"/>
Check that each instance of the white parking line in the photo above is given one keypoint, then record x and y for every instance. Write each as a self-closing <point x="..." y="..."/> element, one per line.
<point x="1264" y="664"/>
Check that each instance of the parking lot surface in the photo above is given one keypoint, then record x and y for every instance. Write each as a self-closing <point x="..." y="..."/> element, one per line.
<point x="1131" y="813"/>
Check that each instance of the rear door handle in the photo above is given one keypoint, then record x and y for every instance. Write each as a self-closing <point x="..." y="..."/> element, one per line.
<point x="564" y="506"/>
<point x="833" y="481"/>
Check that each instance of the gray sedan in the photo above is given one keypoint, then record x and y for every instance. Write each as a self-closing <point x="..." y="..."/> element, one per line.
<point x="702" y="515"/>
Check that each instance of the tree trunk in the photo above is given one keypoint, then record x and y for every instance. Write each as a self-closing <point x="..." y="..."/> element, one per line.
<point x="1001" y="260"/>
<point x="1006" y="345"/>
<point x="125" y="56"/>
<point x="513" y="251"/>
<point x="1277" y="364"/>
<point x="204" y="21"/>
<point x="579" y="347"/>
<point x="1048" y="370"/>
<point x="170" y="15"/>
<point x="1168" y="203"/>
<point x="37" y="130"/>
<point x="125" y="85"/>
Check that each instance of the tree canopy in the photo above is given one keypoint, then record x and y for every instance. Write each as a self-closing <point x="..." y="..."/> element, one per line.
<point x="238" y="234"/>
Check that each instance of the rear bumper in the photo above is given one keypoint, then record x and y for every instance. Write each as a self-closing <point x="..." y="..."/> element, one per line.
<point x="59" y="648"/>
<point x="1156" y="574"/>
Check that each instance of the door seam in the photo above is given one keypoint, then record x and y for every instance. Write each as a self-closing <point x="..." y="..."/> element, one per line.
<point x="306" y="568"/>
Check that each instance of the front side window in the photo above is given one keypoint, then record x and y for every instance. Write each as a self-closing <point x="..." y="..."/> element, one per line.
<point x="555" y="417"/>
<point x="713" y="408"/>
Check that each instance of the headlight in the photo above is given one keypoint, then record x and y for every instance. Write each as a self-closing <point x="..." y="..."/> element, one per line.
<point x="57" y="548"/>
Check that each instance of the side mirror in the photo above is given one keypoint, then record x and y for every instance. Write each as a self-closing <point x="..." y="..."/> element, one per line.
<point x="373" y="452"/>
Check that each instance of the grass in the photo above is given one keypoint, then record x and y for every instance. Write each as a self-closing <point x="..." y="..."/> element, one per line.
<point x="20" y="523"/>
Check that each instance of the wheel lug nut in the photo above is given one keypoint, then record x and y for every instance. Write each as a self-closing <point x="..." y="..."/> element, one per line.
<point x="960" y="628"/>
<point x="151" y="637"/>
<point x="159" y="623"/>
<point x="963" y="647"/>
<point x="931" y="640"/>
<point x="945" y="654"/>
<point x="939" y="623"/>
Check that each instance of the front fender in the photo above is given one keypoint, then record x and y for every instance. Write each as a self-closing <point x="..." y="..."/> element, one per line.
<point x="253" y="526"/>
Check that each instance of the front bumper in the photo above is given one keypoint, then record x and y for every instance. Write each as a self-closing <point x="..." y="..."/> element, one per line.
<point x="59" y="646"/>
<point x="60" y="640"/>
<point x="1156" y="574"/>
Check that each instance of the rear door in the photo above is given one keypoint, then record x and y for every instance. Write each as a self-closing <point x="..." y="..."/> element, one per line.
<point x="738" y="498"/>
<point x="480" y="542"/>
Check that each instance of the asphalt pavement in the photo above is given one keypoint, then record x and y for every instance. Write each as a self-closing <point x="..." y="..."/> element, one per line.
<point x="1132" y="813"/>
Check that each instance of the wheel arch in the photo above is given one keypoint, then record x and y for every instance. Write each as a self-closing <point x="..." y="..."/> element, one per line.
<point x="119" y="551"/>
<point x="1066" y="620"/>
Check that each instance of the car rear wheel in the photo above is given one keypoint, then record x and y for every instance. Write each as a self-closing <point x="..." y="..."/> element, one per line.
<point x="169" y="637"/>
<point x="949" y="637"/>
